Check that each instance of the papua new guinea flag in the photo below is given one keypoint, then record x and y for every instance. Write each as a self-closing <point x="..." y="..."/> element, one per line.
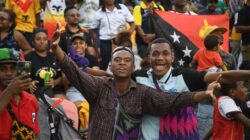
<point x="186" y="32"/>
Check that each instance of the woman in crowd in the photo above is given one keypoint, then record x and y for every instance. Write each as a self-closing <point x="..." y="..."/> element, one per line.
<point x="9" y="37"/>
<point x="229" y="121"/>
<point x="44" y="71"/>
<point x="110" y="19"/>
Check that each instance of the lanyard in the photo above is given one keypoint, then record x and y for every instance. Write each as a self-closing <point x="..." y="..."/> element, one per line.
<point x="156" y="83"/>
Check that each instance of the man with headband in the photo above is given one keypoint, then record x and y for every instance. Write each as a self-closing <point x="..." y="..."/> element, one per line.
<point x="117" y="104"/>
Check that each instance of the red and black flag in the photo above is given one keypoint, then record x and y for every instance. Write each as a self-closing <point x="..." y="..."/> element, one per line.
<point x="186" y="32"/>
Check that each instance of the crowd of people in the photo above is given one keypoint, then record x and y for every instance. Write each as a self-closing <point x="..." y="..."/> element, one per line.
<point x="99" y="62"/>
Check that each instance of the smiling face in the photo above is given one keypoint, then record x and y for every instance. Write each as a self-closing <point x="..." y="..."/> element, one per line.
<point x="161" y="58"/>
<point x="122" y="64"/>
<point x="79" y="46"/>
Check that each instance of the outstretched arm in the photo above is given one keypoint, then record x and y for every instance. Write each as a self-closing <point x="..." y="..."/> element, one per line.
<point x="239" y="116"/>
<point x="228" y="76"/>
<point x="161" y="103"/>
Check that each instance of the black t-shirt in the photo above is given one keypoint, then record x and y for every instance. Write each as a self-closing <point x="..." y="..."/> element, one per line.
<point x="65" y="38"/>
<point x="40" y="65"/>
<point x="244" y="20"/>
<point x="92" y="61"/>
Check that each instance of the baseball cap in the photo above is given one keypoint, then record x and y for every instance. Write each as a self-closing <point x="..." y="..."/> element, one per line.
<point x="81" y="36"/>
<point x="9" y="55"/>
<point x="208" y="30"/>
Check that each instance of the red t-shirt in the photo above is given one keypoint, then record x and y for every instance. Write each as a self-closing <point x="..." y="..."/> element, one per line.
<point x="207" y="59"/>
<point x="226" y="128"/>
<point x="26" y="112"/>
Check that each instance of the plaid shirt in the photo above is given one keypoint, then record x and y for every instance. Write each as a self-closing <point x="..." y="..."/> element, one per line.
<point x="136" y="101"/>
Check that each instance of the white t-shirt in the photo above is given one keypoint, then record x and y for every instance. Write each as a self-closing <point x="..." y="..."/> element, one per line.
<point x="111" y="22"/>
<point x="227" y="105"/>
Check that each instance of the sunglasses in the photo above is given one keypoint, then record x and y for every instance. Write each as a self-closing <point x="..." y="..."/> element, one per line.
<point x="74" y="15"/>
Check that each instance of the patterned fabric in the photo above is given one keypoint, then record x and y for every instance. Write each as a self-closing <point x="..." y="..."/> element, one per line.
<point x="138" y="100"/>
<point x="126" y="127"/>
<point x="9" y="41"/>
<point x="27" y="10"/>
<point x="183" y="125"/>
<point x="235" y="5"/>
<point x="26" y="111"/>
<point x="19" y="131"/>
<point x="178" y="123"/>
<point x="53" y="14"/>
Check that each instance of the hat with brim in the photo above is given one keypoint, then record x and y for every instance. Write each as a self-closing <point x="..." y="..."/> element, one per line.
<point x="79" y="36"/>
<point x="211" y="29"/>
<point x="9" y="56"/>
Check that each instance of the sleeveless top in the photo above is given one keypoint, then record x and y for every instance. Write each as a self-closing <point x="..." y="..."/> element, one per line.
<point x="9" y="41"/>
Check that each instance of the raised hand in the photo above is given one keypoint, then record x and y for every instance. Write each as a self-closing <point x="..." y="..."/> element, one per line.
<point x="213" y="87"/>
<point x="148" y="37"/>
<point x="56" y="37"/>
<point x="18" y="84"/>
<point x="54" y="44"/>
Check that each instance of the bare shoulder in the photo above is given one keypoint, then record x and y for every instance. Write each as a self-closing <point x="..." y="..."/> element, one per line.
<point x="17" y="34"/>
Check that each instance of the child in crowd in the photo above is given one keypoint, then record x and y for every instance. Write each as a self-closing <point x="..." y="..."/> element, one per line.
<point x="245" y="106"/>
<point x="77" y="52"/>
<point x="229" y="120"/>
<point x="208" y="58"/>
<point x="42" y="64"/>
